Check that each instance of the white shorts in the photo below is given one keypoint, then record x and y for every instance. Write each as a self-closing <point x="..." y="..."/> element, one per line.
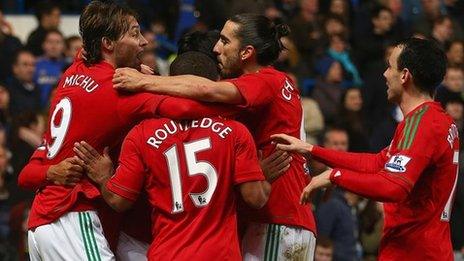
<point x="74" y="236"/>
<point x="131" y="249"/>
<point x="270" y="242"/>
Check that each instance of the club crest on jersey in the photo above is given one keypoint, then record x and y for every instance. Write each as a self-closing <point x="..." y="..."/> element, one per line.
<point x="397" y="163"/>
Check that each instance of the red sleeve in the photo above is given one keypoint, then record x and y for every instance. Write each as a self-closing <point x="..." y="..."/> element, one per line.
<point x="379" y="186"/>
<point x="362" y="162"/>
<point x="254" y="88"/>
<point x="138" y="106"/>
<point x="182" y="108"/>
<point x="400" y="172"/>
<point x="246" y="160"/>
<point x="129" y="177"/>
<point x="34" y="175"/>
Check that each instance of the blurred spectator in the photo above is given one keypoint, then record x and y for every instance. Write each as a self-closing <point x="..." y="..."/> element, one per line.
<point x="149" y="57"/>
<point x="328" y="88"/>
<point x="400" y="28"/>
<point x="376" y="107"/>
<point x="6" y="251"/>
<point x="164" y="45"/>
<point x="423" y="21"/>
<point x="371" y="47"/>
<point x="24" y="95"/>
<point x="289" y="58"/>
<point x="338" y="50"/>
<point x="18" y="229"/>
<point x="350" y="116"/>
<point x="324" y="249"/>
<point x="371" y="226"/>
<point x="48" y="15"/>
<point x="340" y="8"/>
<point x="26" y="136"/>
<point x="5" y="119"/>
<point x="49" y="67"/>
<point x="455" y="53"/>
<point x="336" y="218"/>
<point x="8" y="44"/>
<point x="453" y="85"/>
<point x="73" y="44"/>
<point x="306" y="30"/>
<point x="442" y="30"/>
<point x="334" y="25"/>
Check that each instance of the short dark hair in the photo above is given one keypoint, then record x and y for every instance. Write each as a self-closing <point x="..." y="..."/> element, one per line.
<point x="18" y="53"/>
<point x="425" y="60"/>
<point x="45" y="8"/>
<point x="324" y="242"/>
<point x="102" y="19"/>
<point x="71" y="39"/>
<point x="377" y="9"/>
<point x="261" y="33"/>
<point x="196" y="63"/>
<point x="53" y="31"/>
<point x="199" y="41"/>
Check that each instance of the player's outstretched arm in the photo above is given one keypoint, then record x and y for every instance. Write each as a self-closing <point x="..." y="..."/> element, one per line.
<point x="99" y="168"/>
<point x="188" y="86"/>
<point x="292" y="144"/>
<point x="255" y="193"/>
<point x="380" y="186"/>
<point x="362" y="162"/>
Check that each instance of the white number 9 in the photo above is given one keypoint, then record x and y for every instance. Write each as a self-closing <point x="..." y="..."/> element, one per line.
<point x="58" y="132"/>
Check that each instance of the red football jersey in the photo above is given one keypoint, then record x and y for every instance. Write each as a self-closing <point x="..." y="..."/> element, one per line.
<point x="425" y="151"/>
<point x="273" y="105"/>
<point x="189" y="170"/>
<point x="422" y="161"/>
<point x="85" y="107"/>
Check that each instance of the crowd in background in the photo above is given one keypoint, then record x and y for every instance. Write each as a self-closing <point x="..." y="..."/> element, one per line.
<point x="335" y="54"/>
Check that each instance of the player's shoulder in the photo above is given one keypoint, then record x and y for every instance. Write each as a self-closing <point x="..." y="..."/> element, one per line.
<point x="434" y="117"/>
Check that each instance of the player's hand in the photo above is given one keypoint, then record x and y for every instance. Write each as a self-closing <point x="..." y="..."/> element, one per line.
<point x="98" y="167"/>
<point x="128" y="79"/>
<point x="145" y="69"/>
<point x="275" y="164"/>
<point x="292" y="144"/>
<point x="66" y="173"/>
<point x="320" y="181"/>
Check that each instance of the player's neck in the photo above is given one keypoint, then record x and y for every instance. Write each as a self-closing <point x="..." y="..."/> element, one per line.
<point x="109" y="59"/>
<point x="410" y="102"/>
<point x="252" y="68"/>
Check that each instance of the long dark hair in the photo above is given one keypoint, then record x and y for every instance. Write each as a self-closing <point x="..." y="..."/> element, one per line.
<point x="261" y="33"/>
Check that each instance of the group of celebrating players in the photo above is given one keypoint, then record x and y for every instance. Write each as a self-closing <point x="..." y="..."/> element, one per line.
<point x="188" y="183"/>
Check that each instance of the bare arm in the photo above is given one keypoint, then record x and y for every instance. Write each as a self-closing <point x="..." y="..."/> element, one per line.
<point x="255" y="193"/>
<point x="188" y="86"/>
<point x="36" y="174"/>
<point x="100" y="169"/>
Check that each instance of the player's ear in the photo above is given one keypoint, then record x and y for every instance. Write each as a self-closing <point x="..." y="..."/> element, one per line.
<point x="108" y="44"/>
<point x="405" y="75"/>
<point x="247" y="52"/>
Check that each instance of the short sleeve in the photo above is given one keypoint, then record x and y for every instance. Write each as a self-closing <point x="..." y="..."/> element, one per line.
<point x="246" y="162"/>
<point x="130" y="174"/>
<point x="138" y="106"/>
<point x="254" y="88"/>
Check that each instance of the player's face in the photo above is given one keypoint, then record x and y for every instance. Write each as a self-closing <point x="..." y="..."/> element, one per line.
<point x="128" y="49"/>
<point x="393" y="77"/>
<point x="228" y="50"/>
